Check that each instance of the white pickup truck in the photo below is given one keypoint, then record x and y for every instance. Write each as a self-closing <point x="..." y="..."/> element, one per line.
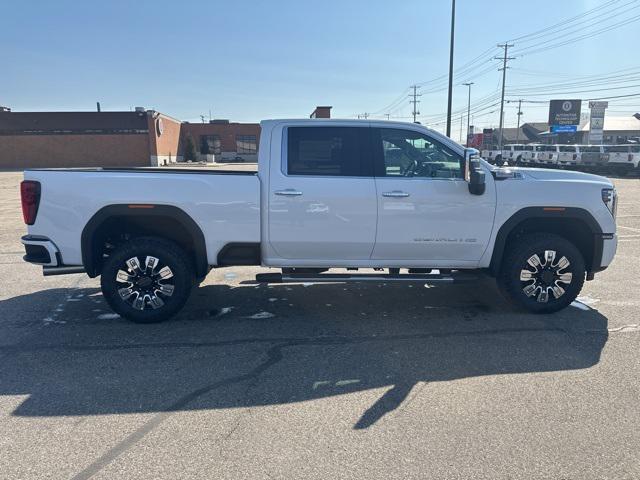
<point x="395" y="197"/>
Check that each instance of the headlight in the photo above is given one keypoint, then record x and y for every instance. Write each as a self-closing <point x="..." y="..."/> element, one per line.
<point x="610" y="199"/>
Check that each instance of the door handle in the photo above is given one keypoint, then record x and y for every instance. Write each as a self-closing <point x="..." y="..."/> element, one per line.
<point x="289" y="192"/>
<point x="395" y="194"/>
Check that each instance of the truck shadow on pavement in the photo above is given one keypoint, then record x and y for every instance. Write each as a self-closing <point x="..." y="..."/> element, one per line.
<point x="250" y="346"/>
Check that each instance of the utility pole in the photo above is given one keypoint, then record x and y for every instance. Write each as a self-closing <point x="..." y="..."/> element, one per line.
<point x="415" y="101"/>
<point x="519" y="113"/>
<point x="504" y="77"/>
<point x="453" y="23"/>
<point x="388" y="115"/>
<point x="461" y="127"/>
<point x="468" y="85"/>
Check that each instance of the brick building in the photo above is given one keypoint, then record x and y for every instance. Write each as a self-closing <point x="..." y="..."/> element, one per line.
<point x="226" y="141"/>
<point x="87" y="139"/>
<point x="121" y="139"/>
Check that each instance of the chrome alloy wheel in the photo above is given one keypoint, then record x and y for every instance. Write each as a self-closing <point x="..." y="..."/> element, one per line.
<point x="145" y="286"/>
<point x="547" y="276"/>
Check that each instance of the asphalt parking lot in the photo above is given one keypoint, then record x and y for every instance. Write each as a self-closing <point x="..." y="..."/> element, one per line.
<point x="318" y="381"/>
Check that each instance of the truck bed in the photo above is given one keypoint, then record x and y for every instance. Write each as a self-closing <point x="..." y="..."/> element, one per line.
<point x="224" y="204"/>
<point x="205" y="171"/>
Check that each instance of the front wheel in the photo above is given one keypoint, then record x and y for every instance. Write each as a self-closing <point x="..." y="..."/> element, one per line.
<point x="147" y="279"/>
<point x="542" y="272"/>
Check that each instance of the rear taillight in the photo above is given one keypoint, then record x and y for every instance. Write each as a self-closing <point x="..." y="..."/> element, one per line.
<point x="630" y="157"/>
<point x="30" y="196"/>
<point x="575" y="156"/>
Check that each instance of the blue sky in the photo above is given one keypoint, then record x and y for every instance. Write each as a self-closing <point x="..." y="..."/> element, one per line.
<point x="249" y="60"/>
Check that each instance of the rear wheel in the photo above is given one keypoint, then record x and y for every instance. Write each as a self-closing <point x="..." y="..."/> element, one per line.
<point x="147" y="279"/>
<point x="542" y="272"/>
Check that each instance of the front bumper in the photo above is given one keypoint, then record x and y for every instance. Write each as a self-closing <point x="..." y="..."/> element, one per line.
<point x="41" y="251"/>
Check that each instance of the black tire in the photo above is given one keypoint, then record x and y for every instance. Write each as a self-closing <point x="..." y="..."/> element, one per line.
<point x="150" y="283"/>
<point x="545" y="277"/>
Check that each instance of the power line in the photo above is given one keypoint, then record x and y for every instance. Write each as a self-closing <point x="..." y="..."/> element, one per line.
<point x="563" y="22"/>
<point x="532" y="49"/>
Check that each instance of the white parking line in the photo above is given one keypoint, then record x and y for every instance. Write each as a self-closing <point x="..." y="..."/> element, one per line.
<point x="630" y="228"/>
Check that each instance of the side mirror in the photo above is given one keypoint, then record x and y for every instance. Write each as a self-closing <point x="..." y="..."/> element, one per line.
<point x="473" y="173"/>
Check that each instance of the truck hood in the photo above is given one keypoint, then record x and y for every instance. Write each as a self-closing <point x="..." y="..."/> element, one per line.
<point x="563" y="175"/>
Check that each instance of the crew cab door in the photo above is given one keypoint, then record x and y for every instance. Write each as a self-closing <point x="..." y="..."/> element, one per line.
<point x="426" y="215"/>
<point x="322" y="198"/>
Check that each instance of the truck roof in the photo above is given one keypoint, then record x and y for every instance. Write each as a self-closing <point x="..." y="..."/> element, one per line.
<point x="313" y="121"/>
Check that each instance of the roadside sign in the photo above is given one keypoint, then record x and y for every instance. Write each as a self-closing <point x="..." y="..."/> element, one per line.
<point x="564" y="112"/>
<point x="598" y="105"/>
<point x="564" y="128"/>
<point x="596" y="121"/>
<point x="487" y="136"/>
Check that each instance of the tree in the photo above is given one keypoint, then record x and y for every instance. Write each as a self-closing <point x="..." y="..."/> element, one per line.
<point x="189" y="149"/>
<point x="204" y="147"/>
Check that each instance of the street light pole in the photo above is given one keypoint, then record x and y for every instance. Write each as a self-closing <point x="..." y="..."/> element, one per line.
<point x="468" y="84"/>
<point x="453" y="23"/>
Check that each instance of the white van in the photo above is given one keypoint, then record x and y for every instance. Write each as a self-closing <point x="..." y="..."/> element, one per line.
<point x="529" y="154"/>
<point x="547" y="154"/>
<point x="511" y="154"/>
<point x="568" y="155"/>
<point x="592" y="156"/>
<point x="622" y="158"/>
<point x="492" y="155"/>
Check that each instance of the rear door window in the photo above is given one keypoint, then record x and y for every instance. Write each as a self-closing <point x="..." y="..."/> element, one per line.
<point x="328" y="151"/>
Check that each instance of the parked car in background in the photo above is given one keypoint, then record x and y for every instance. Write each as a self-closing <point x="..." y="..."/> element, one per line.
<point x="547" y="154"/>
<point x="569" y="155"/>
<point x="622" y="158"/>
<point x="492" y="155"/>
<point x="592" y="156"/>
<point x="511" y="154"/>
<point x="529" y="154"/>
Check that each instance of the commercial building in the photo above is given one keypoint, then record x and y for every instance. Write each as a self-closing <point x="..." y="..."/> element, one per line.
<point x="617" y="130"/>
<point x="87" y="139"/>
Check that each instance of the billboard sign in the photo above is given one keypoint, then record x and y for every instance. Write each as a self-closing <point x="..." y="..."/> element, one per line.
<point x="475" y="140"/>
<point x="487" y="136"/>
<point x="596" y="121"/>
<point x="564" y="112"/>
